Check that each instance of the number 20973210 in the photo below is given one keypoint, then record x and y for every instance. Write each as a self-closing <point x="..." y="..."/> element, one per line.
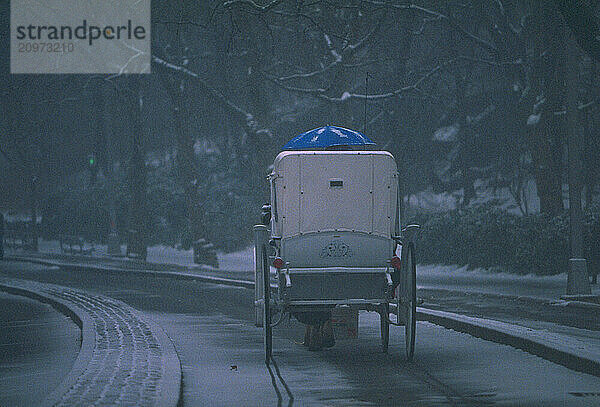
<point x="46" y="47"/>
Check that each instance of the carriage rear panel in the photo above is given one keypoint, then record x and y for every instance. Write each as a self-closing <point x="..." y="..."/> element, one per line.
<point x="334" y="208"/>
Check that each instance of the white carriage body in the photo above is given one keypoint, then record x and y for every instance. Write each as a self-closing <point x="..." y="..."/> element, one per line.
<point x="334" y="214"/>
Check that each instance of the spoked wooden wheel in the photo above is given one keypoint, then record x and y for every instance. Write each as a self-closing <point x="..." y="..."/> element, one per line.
<point x="408" y="297"/>
<point x="385" y="326"/>
<point x="267" y="328"/>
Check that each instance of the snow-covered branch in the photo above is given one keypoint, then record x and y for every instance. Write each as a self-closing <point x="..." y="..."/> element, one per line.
<point x="338" y="58"/>
<point x="209" y="90"/>
<point x="336" y="55"/>
<point x="321" y="93"/>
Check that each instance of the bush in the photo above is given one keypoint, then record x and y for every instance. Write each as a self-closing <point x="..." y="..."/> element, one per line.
<point x="489" y="237"/>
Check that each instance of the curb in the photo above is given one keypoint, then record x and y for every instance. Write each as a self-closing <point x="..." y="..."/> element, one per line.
<point x="170" y="391"/>
<point x="577" y="304"/>
<point x="593" y="298"/>
<point x="171" y="382"/>
<point x="88" y="338"/>
<point x="540" y="343"/>
<point x="546" y="345"/>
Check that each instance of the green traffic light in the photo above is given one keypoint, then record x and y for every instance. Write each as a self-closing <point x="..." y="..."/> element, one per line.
<point x="92" y="161"/>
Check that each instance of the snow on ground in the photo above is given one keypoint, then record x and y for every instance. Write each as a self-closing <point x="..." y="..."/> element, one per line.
<point x="439" y="270"/>
<point x="462" y="278"/>
<point x="431" y="201"/>
<point x="170" y="255"/>
<point x="242" y="260"/>
<point x="53" y="247"/>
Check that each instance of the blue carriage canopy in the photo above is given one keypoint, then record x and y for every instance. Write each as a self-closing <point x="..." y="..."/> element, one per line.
<point x="328" y="136"/>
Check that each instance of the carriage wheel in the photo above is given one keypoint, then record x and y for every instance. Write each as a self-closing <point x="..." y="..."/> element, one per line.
<point x="267" y="329"/>
<point x="409" y="297"/>
<point x="385" y="326"/>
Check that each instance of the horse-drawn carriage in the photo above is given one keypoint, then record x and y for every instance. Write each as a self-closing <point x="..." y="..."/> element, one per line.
<point x="334" y="235"/>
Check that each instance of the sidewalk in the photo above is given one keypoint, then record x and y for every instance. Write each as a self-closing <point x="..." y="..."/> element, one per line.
<point x="529" y="302"/>
<point x="124" y="358"/>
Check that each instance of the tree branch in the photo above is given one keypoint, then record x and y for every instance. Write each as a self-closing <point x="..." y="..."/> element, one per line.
<point x="346" y="53"/>
<point x="448" y="19"/>
<point x="232" y="107"/>
<point x="252" y="4"/>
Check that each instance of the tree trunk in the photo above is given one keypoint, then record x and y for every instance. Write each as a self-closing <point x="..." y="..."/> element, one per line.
<point x="464" y="135"/>
<point x="260" y="152"/>
<point x="548" y="177"/>
<point x="33" y="202"/>
<point x="138" y="218"/>
<point x="547" y="139"/>
<point x="591" y="146"/>
<point x="588" y="162"/>
<point x="186" y="159"/>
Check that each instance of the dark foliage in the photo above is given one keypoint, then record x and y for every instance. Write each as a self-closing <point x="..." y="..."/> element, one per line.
<point x="492" y="238"/>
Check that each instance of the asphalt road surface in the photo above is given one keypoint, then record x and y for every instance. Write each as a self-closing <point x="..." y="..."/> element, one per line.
<point x="38" y="346"/>
<point x="221" y="353"/>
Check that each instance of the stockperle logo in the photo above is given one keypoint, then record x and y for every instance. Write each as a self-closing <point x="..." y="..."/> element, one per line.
<point x="80" y="36"/>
